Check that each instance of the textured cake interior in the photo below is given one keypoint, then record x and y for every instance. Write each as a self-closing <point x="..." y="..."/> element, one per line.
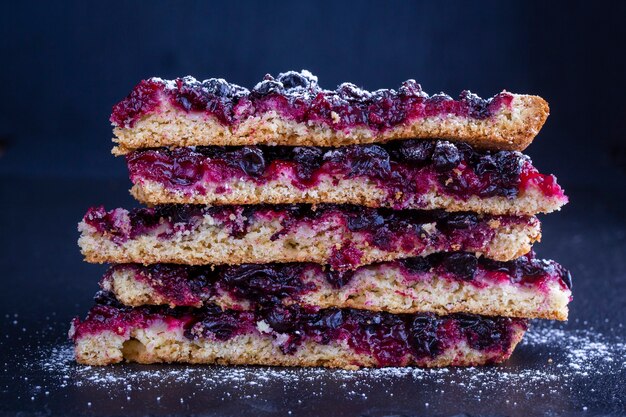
<point x="157" y="344"/>
<point x="211" y="243"/>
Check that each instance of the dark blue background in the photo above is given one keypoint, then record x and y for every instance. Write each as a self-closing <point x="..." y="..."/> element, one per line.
<point x="64" y="64"/>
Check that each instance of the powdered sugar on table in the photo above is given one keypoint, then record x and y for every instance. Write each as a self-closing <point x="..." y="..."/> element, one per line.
<point x="550" y="369"/>
<point x="571" y="353"/>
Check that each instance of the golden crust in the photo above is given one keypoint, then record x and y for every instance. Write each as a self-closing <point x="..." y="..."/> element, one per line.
<point x="511" y="128"/>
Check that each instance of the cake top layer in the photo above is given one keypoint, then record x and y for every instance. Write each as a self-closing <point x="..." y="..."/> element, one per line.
<point x="296" y="87"/>
<point x="348" y="114"/>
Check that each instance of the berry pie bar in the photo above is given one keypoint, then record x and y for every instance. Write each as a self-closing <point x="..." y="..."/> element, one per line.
<point x="411" y="174"/>
<point x="292" y="225"/>
<point x="343" y="237"/>
<point x="290" y="336"/>
<point x="291" y="109"/>
<point x="440" y="283"/>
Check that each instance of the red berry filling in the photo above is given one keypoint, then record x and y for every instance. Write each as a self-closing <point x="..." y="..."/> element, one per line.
<point x="406" y="170"/>
<point x="296" y="95"/>
<point x="385" y="229"/>
<point x="263" y="284"/>
<point x="546" y="183"/>
<point x="391" y="339"/>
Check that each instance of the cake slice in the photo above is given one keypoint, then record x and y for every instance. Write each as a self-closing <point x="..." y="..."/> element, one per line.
<point x="293" y="110"/>
<point x="415" y="174"/>
<point x="291" y="336"/>
<point x="439" y="283"/>
<point x="343" y="237"/>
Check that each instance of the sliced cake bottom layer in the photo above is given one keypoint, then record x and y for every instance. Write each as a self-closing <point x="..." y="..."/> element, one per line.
<point x="343" y="237"/>
<point x="440" y="283"/>
<point x="343" y="338"/>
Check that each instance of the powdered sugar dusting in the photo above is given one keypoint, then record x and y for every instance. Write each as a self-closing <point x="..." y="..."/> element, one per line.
<point x="549" y="370"/>
<point x="572" y="353"/>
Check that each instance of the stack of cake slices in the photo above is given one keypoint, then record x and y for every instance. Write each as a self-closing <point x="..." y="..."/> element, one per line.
<point x="293" y="225"/>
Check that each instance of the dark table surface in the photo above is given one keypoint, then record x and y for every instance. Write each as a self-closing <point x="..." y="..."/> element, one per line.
<point x="64" y="67"/>
<point x="575" y="368"/>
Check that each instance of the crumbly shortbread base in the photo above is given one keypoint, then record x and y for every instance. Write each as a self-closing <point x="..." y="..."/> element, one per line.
<point x="356" y="191"/>
<point x="211" y="243"/>
<point x="384" y="289"/>
<point x="511" y="128"/>
<point x="160" y="343"/>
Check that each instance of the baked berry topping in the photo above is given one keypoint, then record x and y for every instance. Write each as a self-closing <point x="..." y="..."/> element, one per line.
<point x="307" y="160"/>
<point x="296" y="95"/>
<point x="406" y="169"/>
<point x="214" y="323"/>
<point x="270" y="284"/>
<point x="415" y="152"/>
<point x="339" y="279"/>
<point x="116" y="224"/>
<point x="423" y="336"/>
<point x="391" y="339"/>
<point x="251" y="161"/>
<point x="264" y="283"/>
<point x="410" y="231"/>
<point x="144" y="98"/>
<point x="482" y="332"/>
<point x="547" y="183"/>
<point x="445" y="156"/>
<point x="462" y="265"/>
<point x="528" y="269"/>
<point x="294" y="80"/>
<point x="460" y="221"/>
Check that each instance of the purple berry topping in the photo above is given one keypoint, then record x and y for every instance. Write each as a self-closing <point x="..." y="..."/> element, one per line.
<point x="403" y="168"/>
<point x="390" y="338"/>
<point x="296" y="95"/>
<point x="271" y="284"/>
